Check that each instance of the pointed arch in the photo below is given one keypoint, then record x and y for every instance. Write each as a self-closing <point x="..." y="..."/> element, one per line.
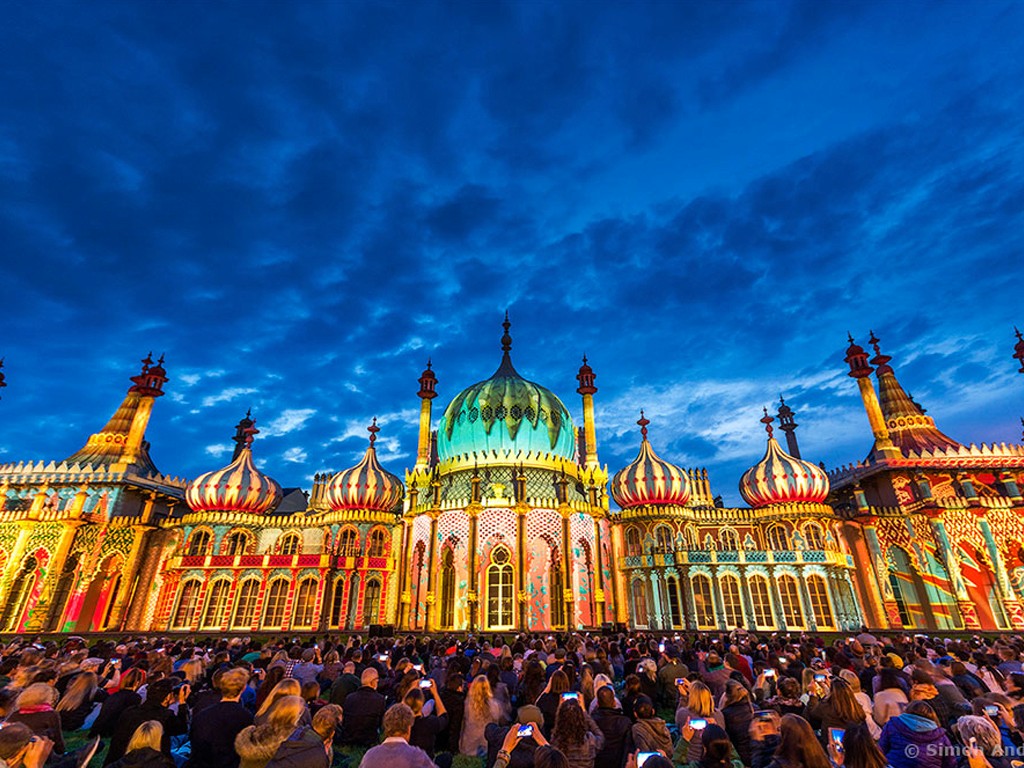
<point x="500" y="589"/>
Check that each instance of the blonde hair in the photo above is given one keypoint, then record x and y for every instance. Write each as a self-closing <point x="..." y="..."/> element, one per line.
<point x="287" y="687"/>
<point x="78" y="692"/>
<point x="36" y="694"/>
<point x="851" y="677"/>
<point x="149" y="734"/>
<point x="193" y="670"/>
<point x="480" y="697"/>
<point x="700" y="701"/>
<point x="286" y="711"/>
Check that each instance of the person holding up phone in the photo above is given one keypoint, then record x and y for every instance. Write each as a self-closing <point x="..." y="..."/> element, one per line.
<point x="425" y="727"/>
<point x="575" y="734"/>
<point x="717" y="750"/>
<point x="519" y="740"/>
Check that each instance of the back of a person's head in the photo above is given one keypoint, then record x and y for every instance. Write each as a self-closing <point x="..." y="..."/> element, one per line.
<point x="798" y="746"/>
<point x="36" y="695"/>
<point x="860" y="750"/>
<point x="735" y="693"/>
<point x="559" y="682"/>
<point x="789" y="688"/>
<point x="14" y="737"/>
<point x="398" y="720"/>
<point x="889" y="677"/>
<point x="606" y="696"/>
<point x="922" y="709"/>
<point x="286" y="711"/>
<point x="658" y="761"/>
<point x="717" y="747"/>
<point x="415" y="700"/>
<point x="148" y="735"/>
<point x="326" y="720"/>
<point x="643" y="707"/>
<point x="632" y="684"/>
<point x="981" y="730"/>
<point x="369" y="677"/>
<point x="295" y="653"/>
<point x="132" y="679"/>
<point x="921" y="676"/>
<point x="232" y="682"/>
<point x="570" y="724"/>
<point x="700" y="701"/>
<point x="548" y="757"/>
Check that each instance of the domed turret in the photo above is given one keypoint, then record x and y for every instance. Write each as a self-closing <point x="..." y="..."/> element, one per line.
<point x="367" y="485"/>
<point x="649" y="479"/>
<point x="238" y="487"/>
<point x="779" y="478"/>
<point x="508" y="414"/>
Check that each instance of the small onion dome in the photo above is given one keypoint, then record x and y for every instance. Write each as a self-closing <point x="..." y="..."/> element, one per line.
<point x="779" y="478"/>
<point x="649" y="479"/>
<point x="239" y="487"/>
<point x="367" y="485"/>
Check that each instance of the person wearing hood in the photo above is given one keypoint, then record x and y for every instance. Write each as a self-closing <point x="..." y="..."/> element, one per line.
<point x="144" y="748"/>
<point x="716" y="749"/>
<point x="310" y="747"/>
<point x="916" y="740"/>
<point x="650" y="734"/>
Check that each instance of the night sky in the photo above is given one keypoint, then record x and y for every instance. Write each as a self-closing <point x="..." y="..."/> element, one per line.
<point x="300" y="203"/>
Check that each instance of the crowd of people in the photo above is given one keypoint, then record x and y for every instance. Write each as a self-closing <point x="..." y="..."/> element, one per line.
<point x="636" y="700"/>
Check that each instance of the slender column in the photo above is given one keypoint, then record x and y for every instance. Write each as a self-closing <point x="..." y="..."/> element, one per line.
<point x="716" y="596"/>
<point x="131" y="568"/>
<point x="405" y="598"/>
<point x="1014" y="610"/>
<point x="473" y="595"/>
<point x="137" y="431"/>
<point x="805" y="595"/>
<point x="569" y="594"/>
<point x="780" y="615"/>
<point x="428" y="383"/>
<point x="521" y="597"/>
<point x="963" y="600"/>
<point x="656" y="617"/>
<point x="599" y="596"/>
<point x="748" y="605"/>
<point x="431" y="578"/>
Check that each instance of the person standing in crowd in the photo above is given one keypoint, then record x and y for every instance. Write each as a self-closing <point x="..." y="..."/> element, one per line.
<point x="699" y="705"/>
<point x="650" y="734"/>
<point x="481" y="710"/>
<point x="859" y="750"/>
<point x="425" y="727"/>
<point x="522" y="756"/>
<point x="788" y="742"/>
<point x="213" y="734"/>
<point x="548" y="701"/>
<point x="364" y="711"/>
<point x="891" y="698"/>
<point x="738" y="713"/>
<point x="617" y="730"/>
<point x="839" y="709"/>
<point x="395" y="751"/>
<point x="915" y="739"/>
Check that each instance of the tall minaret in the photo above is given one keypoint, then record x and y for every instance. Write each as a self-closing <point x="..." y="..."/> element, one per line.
<point x="428" y="383"/>
<point x="788" y="425"/>
<point x="1018" y="355"/>
<point x="148" y="385"/>
<point x="587" y="389"/>
<point x="857" y="359"/>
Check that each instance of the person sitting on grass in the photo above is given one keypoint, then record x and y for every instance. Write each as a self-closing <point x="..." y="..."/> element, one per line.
<point x="143" y="749"/>
<point x="395" y="751"/>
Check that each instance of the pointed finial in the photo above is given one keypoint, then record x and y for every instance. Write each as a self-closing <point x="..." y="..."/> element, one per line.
<point x="429" y="364"/>
<point x="585" y="356"/>
<point x="250" y="433"/>
<point x="506" y="339"/>
<point x="248" y="412"/>
<point x="373" y="429"/>
<point x="873" y="341"/>
<point x="3" y="383"/>
<point x="767" y="421"/>
<point x="146" y="362"/>
<point x="849" y="337"/>
<point x="643" y="421"/>
<point x="1020" y="336"/>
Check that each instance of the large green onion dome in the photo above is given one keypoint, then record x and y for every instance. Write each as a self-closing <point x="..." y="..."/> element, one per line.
<point x="508" y="415"/>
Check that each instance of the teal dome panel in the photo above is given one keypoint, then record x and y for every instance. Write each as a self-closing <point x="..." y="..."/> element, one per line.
<point x="508" y="414"/>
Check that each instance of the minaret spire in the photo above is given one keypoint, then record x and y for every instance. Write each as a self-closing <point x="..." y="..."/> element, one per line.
<point x="857" y="359"/>
<point x="3" y="382"/>
<point x="242" y="434"/>
<point x="643" y="421"/>
<point x="506" y="338"/>
<point x="1018" y="350"/>
<point x="787" y="424"/>
<point x="767" y="421"/>
<point x="428" y="386"/>
<point x="373" y="429"/>
<point x="587" y="389"/>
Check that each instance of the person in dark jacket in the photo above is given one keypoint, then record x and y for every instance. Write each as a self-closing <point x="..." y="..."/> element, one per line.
<point x="364" y="711"/>
<point x="454" y="698"/>
<point x="426" y="727"/>
<point x="786" y="743"/>
<point x="34" y="708"/>
<point x="916" y="740"/>
<point x="738" y="713"/>
<point x="617" y="730"/>
<point x="143" y="750"/>
<point x="840" y="709"/>
<point x="159" y="697"/>
<point x="78" y="701"/>
<point x="214" y="730"/>
<point x="522" y="755"/>
<point x="650" y="734"/>
<point x="548" y="701"/>
<point x="344" y="684"/>
<point x="116" y="703"/>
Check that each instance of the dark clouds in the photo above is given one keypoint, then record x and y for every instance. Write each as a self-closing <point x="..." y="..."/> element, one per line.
<point x="301" y="204"/>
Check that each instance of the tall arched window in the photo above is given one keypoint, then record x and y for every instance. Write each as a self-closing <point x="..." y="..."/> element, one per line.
<point x="761" y="602"/>
<point x="62" y="591"/>
<point x="216" y="602"/>
<point x="703" y="602"/>
<point x="290" y="544"/>
<point x="273" y="611"/>
<point x="632" y="541"/>
<point x="789" y="597"/>
<point x="663" y="539"/>
<point x="500" y="597"/>
<point x="778" y="538"/>
<point x="728" y="539"/>
<point x="337" y="601"/>
<point x="557" y="581"/>
<point x="732" y="607"/>
<point x="378" y="546"/>
<point x="448" y="588"/>
<point x="236" y="543"/>
<point x="348" y="543"/>
<point x="188" y="602"/>
<point x="672" y="586"/>
<point x="641" y="617"/>
<point x="814" y="537"/>
<point x="305" y="603"/>
<point x="245" y="605"/>
<point x="821" y="608"/>
<point x="353" y="602"/>
<point x="371" y="602"/>
<point x="21" y="588"/>
<point x="198" y="543"/>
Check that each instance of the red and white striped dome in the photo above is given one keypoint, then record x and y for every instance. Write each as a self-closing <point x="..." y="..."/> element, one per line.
<point x="649" y="479"/>
<point x="367" y="485"/>
<point x="238" y="487"/>
<point x="779" y="478"/>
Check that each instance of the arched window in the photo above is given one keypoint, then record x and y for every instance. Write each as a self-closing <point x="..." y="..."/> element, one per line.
<point x="290" y="544"/>
<point x="703" y="601"/>
<point x="371" y="602"/>
<point x="348" y="543"/>
<point x="814" y="537"/>
<point x="731" y="605"/>
<point x="378" y="544"/>
<point x="691" y="538"/>
<point x="273" y="611"/>
<point x="21" y="588"/>
<point x="641" y="617"/>
<point x="198" y="543"/>
<point x="216" y="602"/>
<point x="778" y="538"/>
<point x="557" y="581"/>
<point x="663" y="539"/>
<point x="305" y="603"/>
<point x="761" y="602"/>
<point x="821" y="608"/>
<point x="245" y="605"/>
<point x="188" y="602"/>
<point x="789" y="596"/>
<point x="632" y="541"/>
<point x="236" y="543"/>
<point x="62" y="591"/>
<point x="448" y="588"/>
<point x="337" y="601"/>
<point x="500" y="591"/>
<point x="729" y="539"/>
<point x="353" y="602"/>
<point x="672" y="585"/>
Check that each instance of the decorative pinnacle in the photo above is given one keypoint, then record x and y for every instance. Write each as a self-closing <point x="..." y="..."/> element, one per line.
<point x="506" y="340"/>
<point x="873" y="341"/>
<point x="429" y="365"/>
<point x="248" y="412"/>
<point x="767" y="421"/>
<point x="1020" y="337"/>
<point x="849" y="337"/>
<point x="146" y="362"/>
<point x="373" y="429"/>
<point x="643" y="422"/>
<point x="250" y="433"/>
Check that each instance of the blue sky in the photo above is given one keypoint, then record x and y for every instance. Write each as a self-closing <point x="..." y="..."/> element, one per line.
<point x="299" y="203"/>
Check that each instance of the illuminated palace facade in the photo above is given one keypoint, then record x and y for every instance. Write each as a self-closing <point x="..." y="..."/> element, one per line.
<point x="508" y="521"/>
